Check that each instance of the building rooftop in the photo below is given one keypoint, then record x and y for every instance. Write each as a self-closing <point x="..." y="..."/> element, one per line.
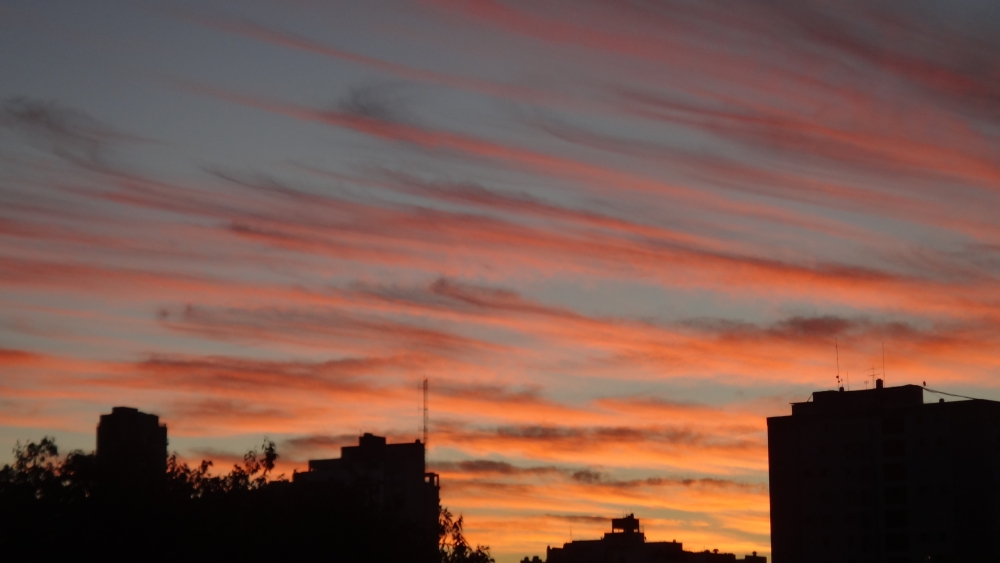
<point x="626" y="543"/>
<point x="841" y="401"/>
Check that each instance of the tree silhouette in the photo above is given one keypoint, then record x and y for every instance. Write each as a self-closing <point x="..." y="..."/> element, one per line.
<point x="34" y="471"/>
<point x="246" y="478"/>
<point x="185" y="482"/>
<point x="245" y="514"/>
<point x="38" y="474"/>
<point x="452" y="544"/>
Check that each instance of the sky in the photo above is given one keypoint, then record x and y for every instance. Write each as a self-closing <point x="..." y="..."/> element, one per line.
<point x="614" y="236"/>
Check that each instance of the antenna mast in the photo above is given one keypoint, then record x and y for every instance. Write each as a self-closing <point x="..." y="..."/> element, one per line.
<point x="425" y="413"/>
<point x="836" y="347"/>
<point x="883" y="362"/>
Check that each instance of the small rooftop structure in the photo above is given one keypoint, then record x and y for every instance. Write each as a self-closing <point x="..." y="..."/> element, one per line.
<point x="627" y="525"/>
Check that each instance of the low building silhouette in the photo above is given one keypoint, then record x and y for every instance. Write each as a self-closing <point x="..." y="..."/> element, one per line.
<point x="131" y="450"/>
<point x="374" y="504"/>
<point x="626" y="543"/>
<point x="880" y="476"/>
<point x="393" y="476"/>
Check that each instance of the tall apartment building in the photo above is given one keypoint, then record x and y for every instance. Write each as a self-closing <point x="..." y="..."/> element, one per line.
<point x="881" y="476"/>
<point x="131" y="450"/>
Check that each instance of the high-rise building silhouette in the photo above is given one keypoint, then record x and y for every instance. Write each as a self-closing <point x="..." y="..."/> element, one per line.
<point x="880" y="476"/>
<point x="131" y="450"/>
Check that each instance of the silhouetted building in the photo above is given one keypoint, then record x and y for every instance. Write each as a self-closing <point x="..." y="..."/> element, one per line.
<point x="626" y="543"/>
<point x="394" y="476"/>
<point x="131" y="450"/>
<point x="880" y="476"/>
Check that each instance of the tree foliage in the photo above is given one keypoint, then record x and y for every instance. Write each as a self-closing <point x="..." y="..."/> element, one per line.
<point x="197" y="482"/>
<point x="245" y="514"/>
<point x="453" y="546"/>
<point x="39" y="472"/>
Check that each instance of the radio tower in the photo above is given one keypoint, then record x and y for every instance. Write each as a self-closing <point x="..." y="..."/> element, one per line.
<point x="425" y="413"/>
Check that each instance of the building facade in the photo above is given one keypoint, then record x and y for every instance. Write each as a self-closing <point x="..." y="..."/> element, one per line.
<point x="131" y="450"/>
<point x="880" y="476"/>
<point x="395" y="476"/>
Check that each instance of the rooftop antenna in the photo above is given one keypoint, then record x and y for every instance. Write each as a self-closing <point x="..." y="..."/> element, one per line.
<point x="883" y="362"/>
<point x="836" y="347"/>
<point x="425" y="413"/>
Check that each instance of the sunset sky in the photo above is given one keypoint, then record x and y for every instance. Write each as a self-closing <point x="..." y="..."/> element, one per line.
<point x="615" y="236"/>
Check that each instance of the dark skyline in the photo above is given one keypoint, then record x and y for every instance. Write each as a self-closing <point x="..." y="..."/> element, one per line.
<point x="615" y="235"/>
<point x="376" y="502"/>
<point x="130" y="499"/>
